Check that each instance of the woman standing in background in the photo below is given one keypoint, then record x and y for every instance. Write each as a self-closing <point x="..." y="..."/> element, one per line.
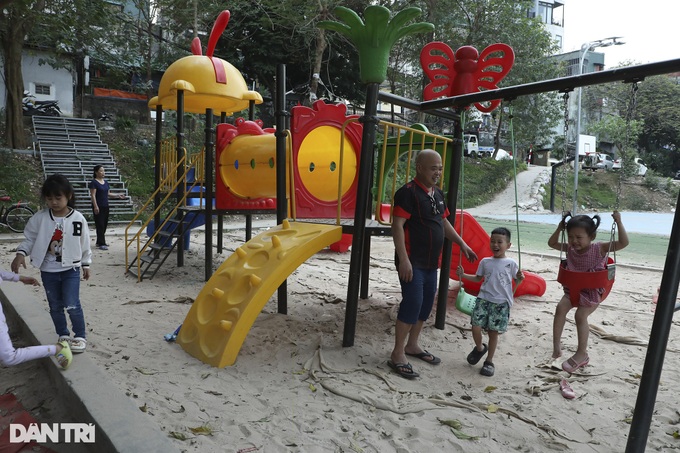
<point x="100" y="194"/>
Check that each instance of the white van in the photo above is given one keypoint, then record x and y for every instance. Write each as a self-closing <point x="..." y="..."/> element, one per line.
<point x="471" y="145"/>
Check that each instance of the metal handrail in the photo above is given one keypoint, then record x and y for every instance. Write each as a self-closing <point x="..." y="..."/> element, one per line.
<point x="423" y="144"/>
<point x="182" y="202"/>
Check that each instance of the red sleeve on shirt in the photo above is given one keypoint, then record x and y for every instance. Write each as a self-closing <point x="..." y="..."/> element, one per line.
<point x="398" y="211"/>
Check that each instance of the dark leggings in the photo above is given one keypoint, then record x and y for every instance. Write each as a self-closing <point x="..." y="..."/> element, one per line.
<point x="101" y="222"/>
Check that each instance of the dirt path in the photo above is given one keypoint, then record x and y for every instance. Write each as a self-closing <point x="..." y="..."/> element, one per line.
<point x="529" y="194"/>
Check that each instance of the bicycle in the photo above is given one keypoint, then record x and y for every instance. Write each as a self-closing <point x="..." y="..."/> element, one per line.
<point x="15" y="216"/>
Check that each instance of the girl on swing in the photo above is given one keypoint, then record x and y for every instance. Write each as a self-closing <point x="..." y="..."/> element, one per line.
<point x="583" y="255"/>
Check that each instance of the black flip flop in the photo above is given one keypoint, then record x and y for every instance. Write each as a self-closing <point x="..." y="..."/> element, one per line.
<point x="427" y="357"/>
<point x="404" y="370"/>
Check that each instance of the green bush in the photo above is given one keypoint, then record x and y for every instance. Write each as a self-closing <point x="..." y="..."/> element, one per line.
<point x="21" y="177"/>
<point x="124" y="123"/>
<point x="483" y="179"/>
<point x="657" y="183"/>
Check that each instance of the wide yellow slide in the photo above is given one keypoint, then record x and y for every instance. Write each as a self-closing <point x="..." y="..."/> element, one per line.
<point x="227" y="306"/>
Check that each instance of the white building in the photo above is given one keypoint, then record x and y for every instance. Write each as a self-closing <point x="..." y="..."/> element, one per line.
<point x="44" y="81"/>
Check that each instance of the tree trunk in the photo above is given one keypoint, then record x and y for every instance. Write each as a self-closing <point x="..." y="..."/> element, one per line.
<point x="320" y="48"/>
<point x="12" y="46"/>
<point x="497" y="136"/>
<point x="318" y="59"/>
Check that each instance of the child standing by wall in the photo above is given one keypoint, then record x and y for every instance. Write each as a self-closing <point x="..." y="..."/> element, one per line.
<point x="583" y="255"/>
<point x="495" y="298"/>
<point x="58" y="243"/>
<point x="10" y="356"/>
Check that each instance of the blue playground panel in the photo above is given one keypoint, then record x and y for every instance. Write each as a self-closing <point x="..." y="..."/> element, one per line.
<point x="192" y="220"/>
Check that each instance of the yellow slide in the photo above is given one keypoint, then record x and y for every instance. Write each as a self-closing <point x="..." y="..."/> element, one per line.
<point x="230" y="301"/>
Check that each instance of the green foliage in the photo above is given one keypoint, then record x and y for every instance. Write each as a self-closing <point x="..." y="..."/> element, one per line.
<point x="135" y="162"/>
<point x="623" y="134"/>
<point x="124" y="123"/>
<point x="483" y="179"/>
<point x="598" y="191"/>
<point x="20" y="177"/>
<point x="658" y="183"/>
<point x="655" y="116"/>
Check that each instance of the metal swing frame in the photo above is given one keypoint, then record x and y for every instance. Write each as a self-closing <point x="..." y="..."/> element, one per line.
<point x="663" y="317"/>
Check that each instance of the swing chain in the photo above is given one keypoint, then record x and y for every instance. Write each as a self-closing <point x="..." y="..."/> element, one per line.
<point x="462" y="187"/>
<point x="563" y="236"/>
<point x="566" y="152"/>
<point x="511" y="115"/>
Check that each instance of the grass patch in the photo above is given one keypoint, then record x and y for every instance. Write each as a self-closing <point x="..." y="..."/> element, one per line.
<point x="606" y="191"/>
<point x="134" y="155"/>
<point x="484" y="178"/>
<point x="21" y="177"/>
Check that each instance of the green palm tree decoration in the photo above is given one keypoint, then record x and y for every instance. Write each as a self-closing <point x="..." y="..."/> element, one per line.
<point x="375" y="38"/>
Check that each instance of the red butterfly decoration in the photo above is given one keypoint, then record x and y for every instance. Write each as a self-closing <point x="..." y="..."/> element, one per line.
<point x="466" y="71"/>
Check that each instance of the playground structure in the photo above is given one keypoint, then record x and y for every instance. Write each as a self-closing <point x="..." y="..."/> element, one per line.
<point x="321" y="153"/>
<point x="213" y="316"/>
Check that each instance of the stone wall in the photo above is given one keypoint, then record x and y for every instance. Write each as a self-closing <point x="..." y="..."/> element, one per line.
<point x="96" y="106"/>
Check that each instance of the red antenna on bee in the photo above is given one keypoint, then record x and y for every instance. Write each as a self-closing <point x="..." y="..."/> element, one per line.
<point x="218" y="28"/>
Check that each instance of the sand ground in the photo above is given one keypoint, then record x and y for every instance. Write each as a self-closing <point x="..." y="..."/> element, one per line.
<point x="294" y="388"/>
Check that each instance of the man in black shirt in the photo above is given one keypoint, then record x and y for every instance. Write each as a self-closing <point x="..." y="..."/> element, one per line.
<point x="419" y="226"/>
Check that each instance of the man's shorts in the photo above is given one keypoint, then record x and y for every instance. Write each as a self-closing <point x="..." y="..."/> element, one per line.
<point x="490" y="316"/>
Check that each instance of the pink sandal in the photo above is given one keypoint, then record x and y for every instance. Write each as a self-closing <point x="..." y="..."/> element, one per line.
<point x="572" y="365"/>
<point x="566" y="389"/>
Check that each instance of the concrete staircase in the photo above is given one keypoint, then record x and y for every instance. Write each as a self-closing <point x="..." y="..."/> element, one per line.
<point x="72" y="147"/>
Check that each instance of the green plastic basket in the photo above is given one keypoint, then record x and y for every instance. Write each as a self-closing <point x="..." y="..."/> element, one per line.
<point x="465" y="302"/>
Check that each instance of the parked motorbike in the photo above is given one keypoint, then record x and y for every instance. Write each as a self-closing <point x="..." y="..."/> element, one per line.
<point x="31" y="106"/>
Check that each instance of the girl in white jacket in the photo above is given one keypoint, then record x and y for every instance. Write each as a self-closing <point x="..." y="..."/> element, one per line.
<point x="10" y="356"/>
<point x="58" y="243"/>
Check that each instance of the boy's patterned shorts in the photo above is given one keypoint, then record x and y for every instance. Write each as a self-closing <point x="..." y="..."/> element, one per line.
<point x="491" y="316"/>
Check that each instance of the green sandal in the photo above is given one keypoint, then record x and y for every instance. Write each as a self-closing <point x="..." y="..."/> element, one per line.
<point x="65" y="356"/>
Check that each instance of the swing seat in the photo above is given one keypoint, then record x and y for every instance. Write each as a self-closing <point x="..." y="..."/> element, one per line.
<point x="577" y="281"/>
<point x="465" y="302"/>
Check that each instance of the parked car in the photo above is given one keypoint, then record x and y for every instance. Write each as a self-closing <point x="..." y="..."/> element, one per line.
<point x="641" y="167"/>
<point x="598" y="161"/>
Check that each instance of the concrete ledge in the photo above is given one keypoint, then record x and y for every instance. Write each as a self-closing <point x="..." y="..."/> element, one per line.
<point x="87" y="391"/>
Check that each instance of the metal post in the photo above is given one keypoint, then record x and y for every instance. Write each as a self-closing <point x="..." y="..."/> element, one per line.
<point x="365" y="264"/>
<point x="180" y="173"/>
<point x="577" y="152"/>
<point x="553" y="181"/>
<point x="370" y="122"/>
<point x="281" y="196"/>
<point x="451" y="197"/>
<point x="220" y="216"/>
<point x="585" y="48"/>
<point x="209" y="195"/>
<point x="249" y="217"/>
<point x="658" y="340"/>
<point x="157" y="170"/>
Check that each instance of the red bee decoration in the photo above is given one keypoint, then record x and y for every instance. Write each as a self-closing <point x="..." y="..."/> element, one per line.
<point x="218" y="27"/>
<point x="466" y="71"/>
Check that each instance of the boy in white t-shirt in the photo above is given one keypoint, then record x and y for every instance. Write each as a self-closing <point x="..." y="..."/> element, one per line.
<point x="495" y="298"/>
